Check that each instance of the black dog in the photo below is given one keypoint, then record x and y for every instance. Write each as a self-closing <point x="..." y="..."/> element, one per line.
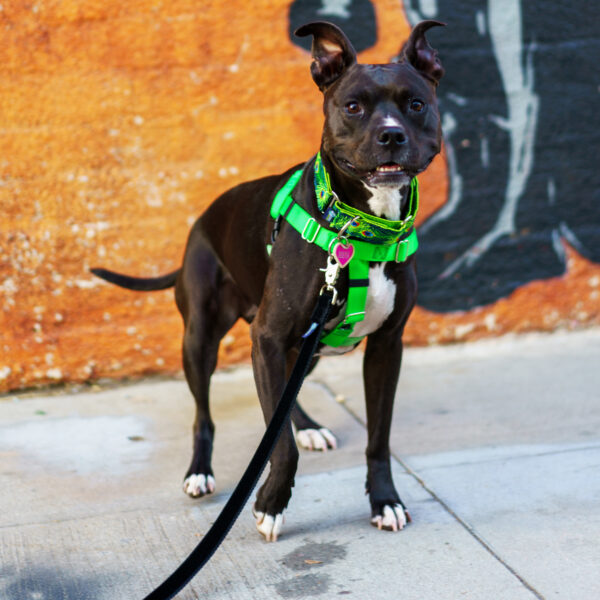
<point x="382" y="128"/>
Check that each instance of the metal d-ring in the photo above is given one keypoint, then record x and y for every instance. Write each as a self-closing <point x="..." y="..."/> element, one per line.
<point x="341" y="232"/>
<point x="341" y="238"/>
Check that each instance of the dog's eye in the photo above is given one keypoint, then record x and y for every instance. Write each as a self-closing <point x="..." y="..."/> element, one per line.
<point x="353" y="108"/>
<point x="417" y="105"/>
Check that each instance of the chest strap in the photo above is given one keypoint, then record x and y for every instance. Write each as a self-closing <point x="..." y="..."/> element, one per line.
<point x="358" y="268"/>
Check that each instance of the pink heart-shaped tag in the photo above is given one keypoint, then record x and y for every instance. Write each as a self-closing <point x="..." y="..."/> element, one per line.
<point x="343" y="254"/>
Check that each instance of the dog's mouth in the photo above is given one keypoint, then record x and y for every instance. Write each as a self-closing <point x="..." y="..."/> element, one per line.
<point x="390" y="167"/>
<point x="389" y="173"/>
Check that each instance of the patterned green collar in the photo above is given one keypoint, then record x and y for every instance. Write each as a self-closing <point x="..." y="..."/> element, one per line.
<point x="363" y="226"/>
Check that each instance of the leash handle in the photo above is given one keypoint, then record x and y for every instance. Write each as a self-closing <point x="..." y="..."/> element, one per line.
<point x="227" y="517"/>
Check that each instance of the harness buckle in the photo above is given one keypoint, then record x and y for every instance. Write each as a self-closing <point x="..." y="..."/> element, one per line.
<point x="307" y="226"/>
<point x="404" y="245"/>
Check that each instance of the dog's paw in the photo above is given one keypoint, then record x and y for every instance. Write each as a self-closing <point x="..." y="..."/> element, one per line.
<point x="316" y="439"/>
<point x="269" y="526"/>
<point x="392" y="518"/>
<point x="199" y="485"/>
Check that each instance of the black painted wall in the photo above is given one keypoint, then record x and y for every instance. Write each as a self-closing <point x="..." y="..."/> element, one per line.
<point x="520" y="104"/>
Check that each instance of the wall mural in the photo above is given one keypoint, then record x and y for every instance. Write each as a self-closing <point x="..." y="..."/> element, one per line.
<point x="111" y="149"/>
<point x="520" y="109"/>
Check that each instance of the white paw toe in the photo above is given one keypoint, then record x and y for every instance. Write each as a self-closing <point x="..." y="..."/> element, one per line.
<point x="394" y="518"/>
<point x="199" y="485"/>
<point x="316" y="439"/>
<point x="268" y="526"/>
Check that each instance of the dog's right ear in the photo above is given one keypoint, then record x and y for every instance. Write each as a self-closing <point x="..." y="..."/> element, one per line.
<point x="331" y="50"/>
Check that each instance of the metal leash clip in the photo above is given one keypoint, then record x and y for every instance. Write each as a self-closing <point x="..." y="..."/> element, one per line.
<point x="332" y="272"/>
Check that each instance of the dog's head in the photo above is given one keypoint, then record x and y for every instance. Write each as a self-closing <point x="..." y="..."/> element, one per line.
<point x="382" y="124"/>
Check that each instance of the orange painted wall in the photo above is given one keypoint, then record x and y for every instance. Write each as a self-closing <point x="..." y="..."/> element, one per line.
<point x="119" y="123"/>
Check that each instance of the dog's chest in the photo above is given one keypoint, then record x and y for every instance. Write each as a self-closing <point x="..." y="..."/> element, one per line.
<point x="381" y="297"/>
<point x="386" y="202"/>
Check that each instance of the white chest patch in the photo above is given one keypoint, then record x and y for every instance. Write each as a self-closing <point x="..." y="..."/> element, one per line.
<point x="381" y="296"/>
<point x="385" y="201"/>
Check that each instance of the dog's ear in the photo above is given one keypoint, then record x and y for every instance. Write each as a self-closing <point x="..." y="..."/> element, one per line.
<point x="331" y="50"/>
<point x="417" y="52"/>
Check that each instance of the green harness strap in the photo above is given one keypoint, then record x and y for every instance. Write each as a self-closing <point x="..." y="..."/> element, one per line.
<point x="404" y="243"/>
<point x="358" y="284"/>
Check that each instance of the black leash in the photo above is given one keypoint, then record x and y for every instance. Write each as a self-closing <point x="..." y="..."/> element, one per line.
<point x="220" y="528"/>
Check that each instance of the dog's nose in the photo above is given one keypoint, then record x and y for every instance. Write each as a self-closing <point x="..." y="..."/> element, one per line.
<point x="391" y="136"/>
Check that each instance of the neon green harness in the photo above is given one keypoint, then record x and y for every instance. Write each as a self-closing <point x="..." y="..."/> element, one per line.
<point x="387" y="241"/>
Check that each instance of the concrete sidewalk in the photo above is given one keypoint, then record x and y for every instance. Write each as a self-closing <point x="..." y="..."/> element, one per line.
<point x="496" y="453"/>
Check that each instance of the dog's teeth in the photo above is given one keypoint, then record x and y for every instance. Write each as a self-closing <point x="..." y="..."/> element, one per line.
<point x="389" y="168"/>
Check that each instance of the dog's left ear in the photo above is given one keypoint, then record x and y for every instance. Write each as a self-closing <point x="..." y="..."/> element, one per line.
<point x="417" y="52"/>
<point x="331" y="50"/>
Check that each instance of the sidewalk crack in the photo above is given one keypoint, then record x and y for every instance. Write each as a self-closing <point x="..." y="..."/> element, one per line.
<point x="469" y="528"/>
<point x="464" y="524"/>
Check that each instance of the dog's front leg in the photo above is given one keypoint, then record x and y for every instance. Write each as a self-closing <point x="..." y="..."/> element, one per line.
<point x="381" y="368"/>
<point x="269" y="364"/>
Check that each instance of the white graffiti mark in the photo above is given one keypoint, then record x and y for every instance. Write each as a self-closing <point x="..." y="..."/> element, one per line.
<point x="456" y="180"/>
<point x="427" y="9"/>
<point x="480" y="22"/>
<point x="505" y="26"/>
<point x="567" y="233"/>
<point x="337" y="8"/>
<point x="457" y="99"/>
<point x="485" y="152"/>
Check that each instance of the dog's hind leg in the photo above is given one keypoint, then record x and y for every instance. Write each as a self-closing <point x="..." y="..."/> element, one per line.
<point x="199" y="361"/>
<point x="209" y="303"/>
<point x="310" y="435"/>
